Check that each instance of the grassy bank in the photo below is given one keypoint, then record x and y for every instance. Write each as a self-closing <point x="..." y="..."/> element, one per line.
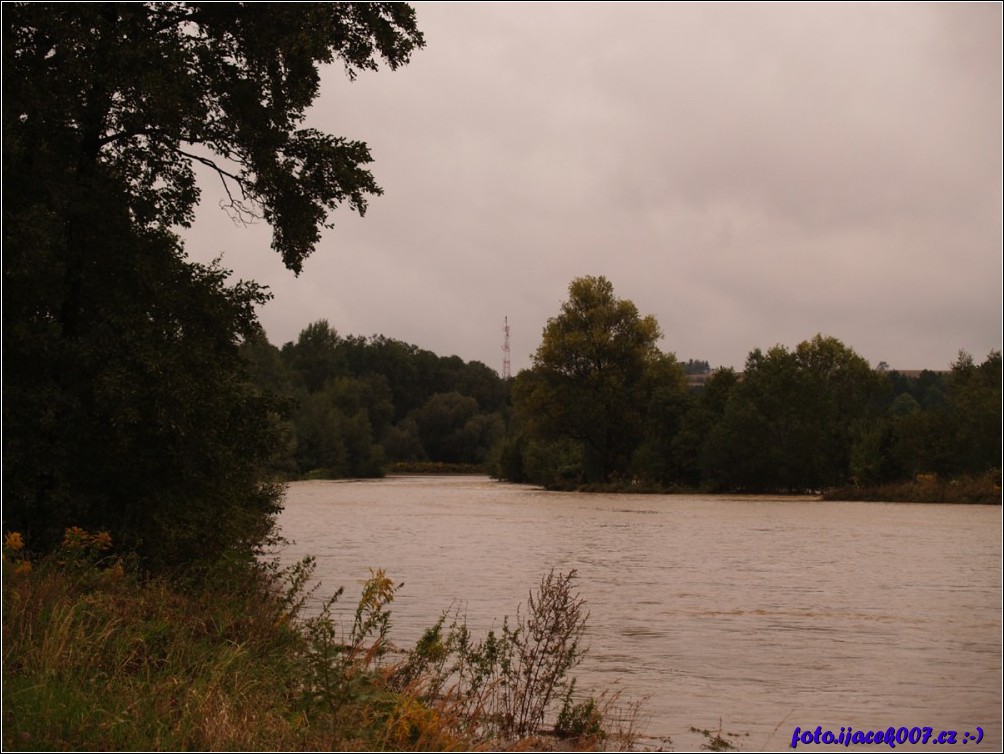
<point x="927" y="488"/>
<point x="97" y="659"/>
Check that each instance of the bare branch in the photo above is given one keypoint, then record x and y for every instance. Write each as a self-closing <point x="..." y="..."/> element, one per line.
<point x="237" y="209"/>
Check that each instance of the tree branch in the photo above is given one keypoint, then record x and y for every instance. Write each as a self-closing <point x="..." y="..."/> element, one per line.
<point x="241" y="211"/>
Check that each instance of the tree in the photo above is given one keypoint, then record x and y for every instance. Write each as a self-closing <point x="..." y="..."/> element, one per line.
<point x="339" y="428"/>
<point x="313" y="359"/>
<point x="142" y="423"/>
<point x="792" y="422"/>
<point x="696" y="367"/>
<point x="667" y="399"/>
<point x="125" y="403"/>
<point x="702" y="415"/>
<point x="976" y="406"/>
<point x="139" y="92"/>
<point x="953" y="426"/>
<point x="453" y="429"/>
<point x="588" y="382"/>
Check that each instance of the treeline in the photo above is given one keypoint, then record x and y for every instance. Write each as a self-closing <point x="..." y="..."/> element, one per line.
<point x="351" y="406"/>
<point x="602" y="407"/>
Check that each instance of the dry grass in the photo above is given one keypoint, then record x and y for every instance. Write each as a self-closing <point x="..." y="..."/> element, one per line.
<point x="94" y="659"/>
<point x="928" y="488"/>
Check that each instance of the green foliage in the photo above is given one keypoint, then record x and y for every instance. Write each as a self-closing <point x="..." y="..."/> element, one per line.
<point x="314" y="358"/>
<point x="452" y="428"/>
<point x="668" y="400"/>
<point x="507" y="682"/>
<point x="95" y="658"/>
<point x="589" y="380"/>
<point x="335" y="666"/>
<point x="556" y="464"/>
<point x="402" y="443"/>
<point x="126" y="404"/>
<point x="414" y="374"/>
<point x="792" y="421"/>
<point x="127" y="91"/>
<point x="360" y="403"/>
<point x="338" y="428"/>
<point x="806" y="419"/>
<point x="947" y="424"/>
<point x="506" y="459"/>
<point x="927" y="488"/>
<point x="581" y="721"/>
<point x="693" y="456"/>
<point x="696" y="367"/>
<point x="976" y="403"/>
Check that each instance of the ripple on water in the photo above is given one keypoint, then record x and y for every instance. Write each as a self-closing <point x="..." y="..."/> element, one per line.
<point x="758" y="614"/>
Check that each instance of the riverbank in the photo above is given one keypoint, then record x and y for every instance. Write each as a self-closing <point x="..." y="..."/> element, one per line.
<point x="436" y="467"/>
<point x="927" y="488"/>
<point x="97" y="659"/>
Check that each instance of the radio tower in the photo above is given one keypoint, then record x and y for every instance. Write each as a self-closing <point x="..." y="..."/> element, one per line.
<point x="506" y="366"/>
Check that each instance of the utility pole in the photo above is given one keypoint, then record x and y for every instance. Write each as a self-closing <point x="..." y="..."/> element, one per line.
<point x="506" y="365"/>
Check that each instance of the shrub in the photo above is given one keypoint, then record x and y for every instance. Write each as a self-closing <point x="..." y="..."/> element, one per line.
<point x="582" y="721"/>
<point x="506" y="683"/>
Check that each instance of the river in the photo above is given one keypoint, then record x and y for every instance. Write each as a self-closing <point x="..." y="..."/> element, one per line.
<point x="752" y="615"/>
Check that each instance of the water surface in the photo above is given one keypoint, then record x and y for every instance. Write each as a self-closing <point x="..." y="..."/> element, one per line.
<point x="755" y="614"/>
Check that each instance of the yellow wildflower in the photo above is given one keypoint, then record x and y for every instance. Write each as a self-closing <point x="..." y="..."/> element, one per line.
<point x="14" y="541"/>
<point x="74" y="537"/>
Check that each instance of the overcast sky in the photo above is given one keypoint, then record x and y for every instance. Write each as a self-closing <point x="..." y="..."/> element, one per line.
<point x="749" y="174"/>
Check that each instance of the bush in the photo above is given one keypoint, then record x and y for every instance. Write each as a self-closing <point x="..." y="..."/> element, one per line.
<point x="928" y="488"/>
<point x="581" y="721"/>
<point x="505" y="684"/>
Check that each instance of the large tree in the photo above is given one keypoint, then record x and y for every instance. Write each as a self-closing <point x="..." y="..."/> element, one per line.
<point x="137" y="93"/>
<point x="794" y="419"/>
<point x="124" y="404"/>
<point x="593" y="376"/>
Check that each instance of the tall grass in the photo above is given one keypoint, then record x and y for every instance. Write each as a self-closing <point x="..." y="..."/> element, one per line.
<point x="928" y="488"/>
<point x="97" y="658"/>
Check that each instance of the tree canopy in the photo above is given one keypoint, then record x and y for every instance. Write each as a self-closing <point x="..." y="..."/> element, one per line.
<point x="362" y="402"/>
<point x="602" y="404"/>
<point x="140" y="92"/>
<point x="125" y="403"/>
<point x="793" y="420"/>
<point x="590" y="378"/>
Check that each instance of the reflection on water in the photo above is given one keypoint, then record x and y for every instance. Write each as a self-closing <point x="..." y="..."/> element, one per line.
<point x="761" y="613"/>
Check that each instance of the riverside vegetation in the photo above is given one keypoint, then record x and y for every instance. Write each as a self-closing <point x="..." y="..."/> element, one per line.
<point x="602" y="409"/>
<point x="130" y="415"/>
<point x="143" y="404"/>
<point x="95" y="658"/>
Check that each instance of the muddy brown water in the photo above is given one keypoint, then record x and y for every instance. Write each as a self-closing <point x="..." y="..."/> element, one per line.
<point x="752" y="615"/>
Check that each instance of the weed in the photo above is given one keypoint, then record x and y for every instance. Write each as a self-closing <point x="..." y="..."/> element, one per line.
<point x="506" y="683"/>
<point x="97" y="659"/>
<point x="581" y="721"/>
<point x="715" y="740"/>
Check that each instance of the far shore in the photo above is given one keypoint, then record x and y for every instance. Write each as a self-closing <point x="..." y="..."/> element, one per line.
<point x="925" y="488"/>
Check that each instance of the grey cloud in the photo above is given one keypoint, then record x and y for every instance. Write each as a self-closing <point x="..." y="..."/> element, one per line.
<point x="748" y="174"/>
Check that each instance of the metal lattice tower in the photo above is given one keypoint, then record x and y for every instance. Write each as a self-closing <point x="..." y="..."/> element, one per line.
<point x="506" y="365"/>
